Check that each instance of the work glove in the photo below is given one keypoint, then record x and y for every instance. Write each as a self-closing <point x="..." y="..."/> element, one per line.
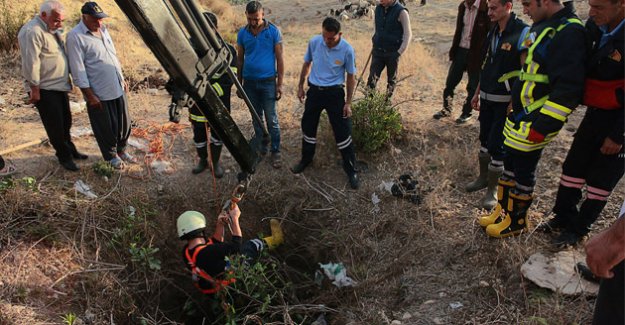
<point x="535" y="136"/>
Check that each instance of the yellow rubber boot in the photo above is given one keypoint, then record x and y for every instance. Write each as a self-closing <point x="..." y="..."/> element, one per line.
<point x="277" y="235"/>
<point x="515" y="220"/>
<point x="503" y="190"/>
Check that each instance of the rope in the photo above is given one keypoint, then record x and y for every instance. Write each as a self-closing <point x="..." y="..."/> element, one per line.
<point x="153" y="133"/>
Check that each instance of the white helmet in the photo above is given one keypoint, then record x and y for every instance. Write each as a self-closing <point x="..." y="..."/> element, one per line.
<point x="190" y="221"/>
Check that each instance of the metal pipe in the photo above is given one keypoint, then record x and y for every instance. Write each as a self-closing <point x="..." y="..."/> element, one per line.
<point x="197" y="38"/>
<point x="247" y="101"/>
<point x="208" y="32"/>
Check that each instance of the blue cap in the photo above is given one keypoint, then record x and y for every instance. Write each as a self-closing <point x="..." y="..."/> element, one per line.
<point x="92" y="9"/>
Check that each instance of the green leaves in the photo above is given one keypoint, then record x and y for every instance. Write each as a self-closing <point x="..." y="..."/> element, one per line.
<point x="375" y="121"/>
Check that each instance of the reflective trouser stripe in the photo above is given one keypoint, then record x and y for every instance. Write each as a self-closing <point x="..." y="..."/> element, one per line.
<point x="218" y="89"/>
<point x="517" y="138"/>
<point x="198" y="118"/>
<point x="597" y="194"/>
<point x="495" y="98"/>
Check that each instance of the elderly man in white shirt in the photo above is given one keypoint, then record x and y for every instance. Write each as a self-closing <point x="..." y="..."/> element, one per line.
<point x="97" y="72"/>
<point x="46" y="78"/>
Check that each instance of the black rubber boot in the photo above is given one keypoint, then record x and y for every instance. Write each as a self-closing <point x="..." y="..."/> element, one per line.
<point x="482" y="179"/>
<point x="490" y="197"/>
<point x="203" y="163"/>
<point x="515" y="221"/>
<point x="215" y="154"/>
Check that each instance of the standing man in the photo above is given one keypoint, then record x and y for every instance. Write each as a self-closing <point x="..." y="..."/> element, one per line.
<point x="492" y="97"/>
<point x="391" y="38"/>
<point x="46" y="76"/>
<point x="261" y="69"/>
<point x="327" y="59"/>
<point x="222" y="84"/>
<point x="98" y="73"/>
<point x="605" y="257"/>
<point x="550" y="87"/>
<point x="596" y="155"/>
<point x="472" y="25"/>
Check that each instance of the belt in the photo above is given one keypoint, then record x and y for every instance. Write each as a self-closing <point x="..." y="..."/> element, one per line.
<point x="260" y="80"/>
<point x="322" y="88"/>
<point x="495" y="98"/>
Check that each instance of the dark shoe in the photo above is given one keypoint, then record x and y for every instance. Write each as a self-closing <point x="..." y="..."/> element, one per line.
<point x="566" y="239"/>
<point x="354" y="182"/>
<point x="440" y="114"/>
<point x="201" y="165"/>
<point x="69" y="165"/>
<point x="464" y="118"/>
<point x="276" y="161"/>
<point x="218" y="170"/>
<point x="299" y="167"/>
<point x="585" y="272"/>
<point x="77" y="155"/>
<point x="553" y="225"/>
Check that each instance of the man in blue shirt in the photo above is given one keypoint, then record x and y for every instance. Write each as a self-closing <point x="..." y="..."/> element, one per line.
<point x="261" y="70"/>
<point x="98" y="73"/>
<point x="332" y="57"/>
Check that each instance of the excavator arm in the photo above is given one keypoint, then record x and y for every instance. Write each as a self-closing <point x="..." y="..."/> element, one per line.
<point x="191" y="51"/>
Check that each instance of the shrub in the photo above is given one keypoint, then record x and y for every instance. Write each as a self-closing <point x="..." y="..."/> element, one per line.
<point x="11" y="23"/>
<point x="375" y="122"/>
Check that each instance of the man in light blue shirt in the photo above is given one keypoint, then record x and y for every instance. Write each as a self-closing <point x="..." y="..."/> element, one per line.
<point x="97" y="72"/>
<point x="328" y="59"/>
<point x="261" y="69"/>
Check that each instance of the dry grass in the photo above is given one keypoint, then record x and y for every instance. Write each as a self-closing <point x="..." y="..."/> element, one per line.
<point x="61" y="253"/>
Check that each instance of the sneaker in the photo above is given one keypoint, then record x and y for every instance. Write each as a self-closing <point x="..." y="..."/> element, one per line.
<point x="299" y="167"/>
<point x="276" y="162"/>
<point x="566" y="239"/>
<point x="354" y="182"/>
<point x="127" y="157"/>
<point x="117" y="163"/>
<point x="464" y="118"/>
<point x="440" y="114"/>
<point x="69" y="165"/>
<point x="553" y="225"/>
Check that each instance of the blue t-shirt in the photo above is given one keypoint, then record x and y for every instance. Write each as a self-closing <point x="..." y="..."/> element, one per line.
<point x="329" y="64"/>
<point x="260" y="56"/>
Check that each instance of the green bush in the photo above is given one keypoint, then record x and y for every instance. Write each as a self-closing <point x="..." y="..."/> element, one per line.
<point x="11" y="23"/>
<point x="375" y="122"/>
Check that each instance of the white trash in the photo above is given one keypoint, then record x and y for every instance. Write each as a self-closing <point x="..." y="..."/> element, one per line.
<point x="85" y="189"/>
<point x="337" y="273"/>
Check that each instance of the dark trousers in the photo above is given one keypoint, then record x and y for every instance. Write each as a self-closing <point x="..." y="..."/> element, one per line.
<point x="1" y="162"/>
<point x="492" y="118"/>
<point x="609" y="305"/>
<point x="585" y="164"/>
<point x="332" y="100"/>
<point x="111" y="126"/>
<point x="454" y="76"/>
<point x="199" y="128"/>
<point x="379" y="61"/>
<point x="57" y="121"/>
<point x="522" y="165"/>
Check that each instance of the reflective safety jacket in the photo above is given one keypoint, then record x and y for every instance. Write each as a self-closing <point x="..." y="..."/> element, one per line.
<point x="605" y="85"/>
<point x="551" y="83"/>
<point x="221" y="84"/>
<point x="201" y="278"/>
<point x="502" y="51"/>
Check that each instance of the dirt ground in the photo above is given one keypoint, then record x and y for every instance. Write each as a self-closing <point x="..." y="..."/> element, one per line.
<point x="431" y="263"/>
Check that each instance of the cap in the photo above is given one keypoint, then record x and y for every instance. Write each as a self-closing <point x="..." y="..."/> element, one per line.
<point x="93" y="9"/>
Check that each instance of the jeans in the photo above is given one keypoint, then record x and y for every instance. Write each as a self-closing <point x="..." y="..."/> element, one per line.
<point x="262" y="95"/>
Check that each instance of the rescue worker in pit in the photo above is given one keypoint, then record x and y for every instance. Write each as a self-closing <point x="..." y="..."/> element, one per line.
<point x="222" y="84"/>
<point x="596" y="155"/>
<point x="502" y="54"/>
<point x="206" y="257"/>
<point x="550" y="86"/>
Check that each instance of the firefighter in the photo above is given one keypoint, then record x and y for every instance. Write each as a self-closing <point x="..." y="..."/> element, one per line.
<point x="502" y="55"/>
<point x="596" y="155"/>
<point x="222" y="84"/>
<point x="206" y="257"/>
<point x="550" y="86"/>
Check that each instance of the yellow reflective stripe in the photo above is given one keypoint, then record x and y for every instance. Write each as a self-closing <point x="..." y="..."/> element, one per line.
<point x="570" y="21"/>
<point x="535" y="105"/>
<point x="197" y="118"/>
<point x="509" y="75"/>
<point x="517" y="139"/>
<point x="527" y="90"/>
<point x="535" y="77"/>
<point x="545" y="32"/>
<point x="556" y="111"/>
<point x="234" y="69"/>
<point x="218" y="89"/>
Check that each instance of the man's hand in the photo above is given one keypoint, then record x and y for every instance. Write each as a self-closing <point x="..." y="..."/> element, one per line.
<point x="126" y="87"/>
<point x="535" y="136"/>
<point x="235" y="213"/>
<point x="35" y="95"/>
<point x="605" y="250"/>
<point x="301" y="94"/>
<point x="347" y="110"/>
<point x="475" y="102"/>
<point x="278" y="92"/>
<point x="93" y="102"/>
<point x="610" y="147"/>
<point x="223" y="218"/>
